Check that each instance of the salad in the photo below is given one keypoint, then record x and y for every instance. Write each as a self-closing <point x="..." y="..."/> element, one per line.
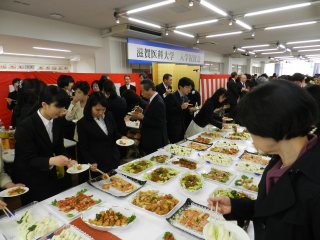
<point x="161" y="174"/>
<point x="137" y="166"/>
<point x="191" y="182"/>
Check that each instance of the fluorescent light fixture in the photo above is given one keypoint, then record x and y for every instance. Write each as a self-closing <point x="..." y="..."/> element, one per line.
<point x="266" y="50"/>
<point x="266" y="53"/>
<point x="256" y="46"/>
<point x="313" y="55"/>
<point x="223" y="34"/>
<point x="213" y="8"/>
<point x="291" y="25"/>
<point x="282" y="46"/>
<point x="183" y="33"/>
<point x="144" y="22"/>
<point x="242" y="24"/>
<point x="272" y="10"/>
<point x="285" y="57"/>
<point x="310" y="46"/>
<point x="241" y="50"/>
<point x="151" y="6"/>
<point x="51" y="49"/>
<point x="251" y="53"/>
<point x="31" y="55"/>
<point x="306" y="41"/>
<point x="196" y="24"/>
<point x="309" y="50"/>
<point x="288" y="50"/>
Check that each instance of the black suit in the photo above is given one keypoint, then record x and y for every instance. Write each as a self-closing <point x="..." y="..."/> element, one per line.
<point x="97" y="147"/>
<point x="240" y="86"/>
<point x="32" y="153"/>
<point x="118" y="107"/>
<point x="13" y="95"/>
<point x="176" y="117"/>
<point x="161" y="89"/>
<point x="233" y="95"/>
<point x="154" y="126"/>
<point x="124" y="88"/>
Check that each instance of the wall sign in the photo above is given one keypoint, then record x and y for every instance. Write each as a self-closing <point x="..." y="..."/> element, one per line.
<point x="145" y="52"/>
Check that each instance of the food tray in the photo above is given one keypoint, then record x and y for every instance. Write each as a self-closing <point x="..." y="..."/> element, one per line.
<point x="187" y="143"/>
<point x="193" y="138"/>
<point x="207" y="169"/>
<point x="158" y="153"/>
<point x="255" y="181"/>
<point x="163" y="166"/>
<point x="178" y="150"/>
<point x="120" y="169"/>
<point x="249" y="167"/>
<point x="80" y="234"/>
<point x="217" y="158"/>
<point x="199" y="164"/>
<point x="263" y="157"/>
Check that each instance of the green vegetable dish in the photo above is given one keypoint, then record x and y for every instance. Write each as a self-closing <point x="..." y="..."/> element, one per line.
<point x="191" y="182"/>
<point x="161" y="175"/>
<point x="137" y="166"/>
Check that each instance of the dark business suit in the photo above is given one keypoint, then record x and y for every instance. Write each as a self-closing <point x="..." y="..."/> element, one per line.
<point x="32" y="153"/>
<point x="176" y="117"/>
<point x="97" y="147"/>
<point x="240" y="86"/>
<point x="124" y="88"/>
<point x="154" y="126"/>
<point x="118" y="107"/>
<point x="233" y="95"/>
<point x="161" y="89"/>
<point x="13" y="95"/>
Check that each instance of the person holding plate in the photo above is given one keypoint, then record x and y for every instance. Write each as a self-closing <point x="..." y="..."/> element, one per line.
<point x="279" y="116"/>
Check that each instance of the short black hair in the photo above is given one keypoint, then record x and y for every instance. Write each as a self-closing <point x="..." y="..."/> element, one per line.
<point x="54" y="94"/>
<point x="147" y="85"/>
<point x="314" y="91"/>
<point x="83" y="86"/>
<point x="215" y="97"/>
<point x="109" y="87"/>
<point x="166" y="76"/>
<point x="279" y="110"/>
<point x="126" y="76"/>
<point x="64" y="80"/>
<point x="234" y="74"/>
<point x="94" y="82"/>
<point x="94" y="99"/>
<point x="16" y="80"/>
<point x="297" y="77"/>
<point x="185" y="81"/>
<point x="102" y="80"/>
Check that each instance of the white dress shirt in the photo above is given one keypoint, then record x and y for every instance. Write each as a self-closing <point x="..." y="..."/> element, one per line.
<point x="153" y="96"/>
<point x="102" y="124"/>
<point x="48" y="125"/>
<point x="128" y="87"/>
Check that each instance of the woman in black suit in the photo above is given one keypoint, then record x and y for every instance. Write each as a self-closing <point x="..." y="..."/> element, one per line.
<point x="98" y="133"/>
<point x="279" y="116"/>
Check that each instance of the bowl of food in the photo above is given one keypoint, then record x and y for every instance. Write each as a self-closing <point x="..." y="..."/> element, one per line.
<point x="191" y="182"/>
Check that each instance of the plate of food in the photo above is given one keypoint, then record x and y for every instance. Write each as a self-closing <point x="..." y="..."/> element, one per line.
<point x="119" y="185"/>
<point x="159" y="157"/>
<point x="250" y="167"/>
<point x="169" y="235"/>
<point x="72" y="205"/>
<point x="125" y="142"/>
<point x="136" y="167"/>
<point x="224" y="230"/>
<point x="191" y="182"/>
<point x="155" y="202"/>
<point x="191" y="218"/>
<point x="178" y="150"/>
<point x="31" y="222"/>
<point x="227" y="119"/>
<point x="238" y="136"/>
<point x="68" y="232"/>
<point x="161" y="174"/>
<point x="216" y="158"/>
<point x="195" y="146"/>
<point x="247" y="183"/>
<point x="107" y="217"/>
<point x="255" y="158"/>
<point x="225" y="148"/>
<point x="232" y="193"/>
<point x="14" y="191"/>
<point x="201" y="139"/>
<point x="185" y="163"/>
<point x="78" y="168"/>
<point x="217" y="175"/>
<point x="213" y="134"/>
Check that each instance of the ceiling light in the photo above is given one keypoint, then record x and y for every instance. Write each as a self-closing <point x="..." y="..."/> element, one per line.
<point x="223" y="34"/>
<point x="151" y="6"/>
<point x="272" y="10"/>
<point x="290" y="25"/>
<point x="213" y="8"/>
<point x="285" y="57"/>
<point x="144" y="22"/>
<point x="31" y="55"/>
<point x="184" y="34"/>
<point x="313" y="55"/>
<point x="251" y="53"/>
<point x="51" y="49"/>
<point x="230" y="22"/>
<point x="197" y="23"/>
<point x="117" y="20"/>
<point x="310" y="46"/>
<point x="241" y="50"/>
<point x="265" y="53"/>
<point x="253" y="34"/>
<point x="198" y="40"/>
<point x="257" y="46"/>
<point x="265" y="50"/>
<point x="56" y="15"/>
<point x="190" y="3"/>
<point x="309" y="50"/>
<point x="282" y="46"/>
<point x="307" y="41"/>
<point x="244" y="25"/>
<point x="288" y="50"/>
<point x="166" y="32"/>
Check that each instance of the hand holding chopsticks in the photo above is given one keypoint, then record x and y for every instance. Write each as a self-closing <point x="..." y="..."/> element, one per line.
<point x="94" y="168"/>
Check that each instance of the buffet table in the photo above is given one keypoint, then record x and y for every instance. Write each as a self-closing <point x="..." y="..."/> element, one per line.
<point x="149" y="225"/>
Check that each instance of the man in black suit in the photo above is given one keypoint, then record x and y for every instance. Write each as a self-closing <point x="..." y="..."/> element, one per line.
<point x="177" y="105"/>
<point x="127" y="86"/>
<point x="233" y="93"/>
<point x="153" y="120"/>
<point x="242" y="85"/>
<point x="165" y="88"/>
<point x="40" y="156"/>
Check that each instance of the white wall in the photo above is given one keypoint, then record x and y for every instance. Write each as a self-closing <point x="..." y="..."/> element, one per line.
<point x="13" y="59"/>
<point x="85" y="65"/>
<point x="213" y="57"/>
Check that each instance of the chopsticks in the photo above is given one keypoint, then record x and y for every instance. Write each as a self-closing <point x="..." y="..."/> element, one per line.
<point x="103" y="173"/>
<point x="8" y="213"/>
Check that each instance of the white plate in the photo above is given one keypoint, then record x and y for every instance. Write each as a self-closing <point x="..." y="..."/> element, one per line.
<point x="170" y="162"/>
<point x="238" y="233"/>
<point x="5" y="193"/>
<point x="191" y="191"/>
<point x="127" y="142"/>
<point x="74" y="170"/>
<point x="120" y="169"/>
<point x="255" y="182"/>
<point x="207" y="169"/>
<point x="161" y="166"/>
<point x="69" y="229"/>
<point x="91" y="214"/>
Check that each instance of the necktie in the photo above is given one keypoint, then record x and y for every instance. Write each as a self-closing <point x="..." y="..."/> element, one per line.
<point x="49" y="130"/>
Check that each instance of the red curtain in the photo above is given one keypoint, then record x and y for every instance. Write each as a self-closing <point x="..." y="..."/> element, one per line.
<point x="209" y="83"/>
<point x="50" y="78"/>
